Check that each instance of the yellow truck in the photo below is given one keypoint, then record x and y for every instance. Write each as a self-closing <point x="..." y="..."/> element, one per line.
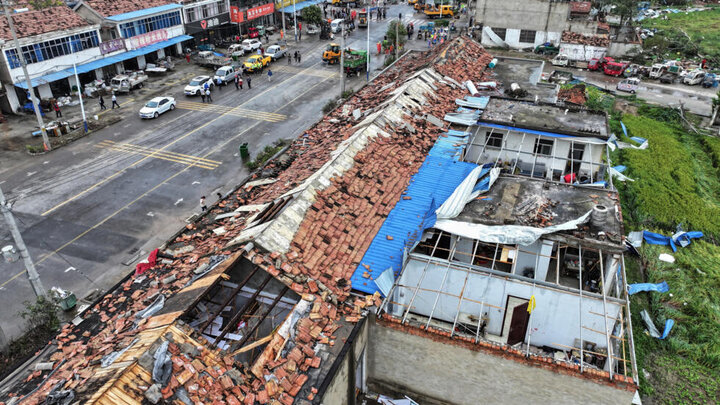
<point x="256" y="63"/>
<point x="439" y="12"/>
<point x="331" y="55"/>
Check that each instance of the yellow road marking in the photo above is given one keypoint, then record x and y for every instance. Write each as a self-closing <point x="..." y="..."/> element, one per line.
<point x="178" y="139"/>
<point x="217" y="148"/>
<point x="172" y="154"/>
<point x="163" y="156"/>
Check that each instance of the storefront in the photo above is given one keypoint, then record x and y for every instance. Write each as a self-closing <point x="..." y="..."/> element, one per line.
<point x="252" y="17"/>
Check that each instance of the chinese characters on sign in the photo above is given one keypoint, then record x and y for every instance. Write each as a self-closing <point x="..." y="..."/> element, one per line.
<point x="236" y="15"/>
<point x="149" y="38"/>
<point x="209" y="23"/>
<point x="111" y="46"/>
<point x="260" y="11"/>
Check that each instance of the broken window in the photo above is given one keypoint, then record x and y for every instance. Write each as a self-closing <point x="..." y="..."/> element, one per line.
<point x="494" y="140"/>
<point x="501" y="32"/>
<point x="527" y="36"/>
<point x="436" y="245"/>
<point x="543" y="147"/>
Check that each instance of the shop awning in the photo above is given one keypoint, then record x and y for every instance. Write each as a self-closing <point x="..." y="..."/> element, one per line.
<point x="106" y="61"/>
<point x="300" y="5"/>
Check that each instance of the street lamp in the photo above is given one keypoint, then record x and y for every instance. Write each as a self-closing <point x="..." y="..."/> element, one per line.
<point x="295" y="19"/>
<point x="77" y="82"/>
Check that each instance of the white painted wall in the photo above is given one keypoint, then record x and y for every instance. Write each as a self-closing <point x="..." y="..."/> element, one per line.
<point x="512" y="38"/>
<point x="555" y="320"/>
<point x="514" y="141"/>
<point x="582" y="52"/>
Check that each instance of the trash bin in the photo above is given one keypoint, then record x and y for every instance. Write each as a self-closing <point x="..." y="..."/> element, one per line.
<point x="244" y="151"/>
<point x="68" y="302"/>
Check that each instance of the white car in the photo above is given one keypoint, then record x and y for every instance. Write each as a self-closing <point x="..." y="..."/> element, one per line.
<point x="275" y="52"/>
<point x="193" y="88"/>
<point x="236" y="50"/>
<point x="157" y="106"/>
<point x="250" y="45"/>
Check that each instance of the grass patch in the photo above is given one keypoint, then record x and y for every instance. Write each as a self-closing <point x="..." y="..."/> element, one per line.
<point x="671" y="42"/>
<point x="265" y="155"/>
<point x="712" y="146"/>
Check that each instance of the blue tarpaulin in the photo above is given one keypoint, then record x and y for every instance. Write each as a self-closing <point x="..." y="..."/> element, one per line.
<point x="681" y="238"/>
<point x="438" y="177"/>
<point x="639" y="287"/>
<point x="668" y="327"/>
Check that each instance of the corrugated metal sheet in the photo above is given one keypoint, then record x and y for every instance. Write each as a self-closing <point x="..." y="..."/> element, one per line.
<point x="142" y="13"/>
<point x="436" y="180"/>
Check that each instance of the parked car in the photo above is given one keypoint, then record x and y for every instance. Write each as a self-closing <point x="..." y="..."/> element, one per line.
<point x="694" y="77"/>
<point x="193" y="88"/>
<point x="226" y="74"/>
<point x="629" y="85"/>
<point x="312" y="29"/>
<point x="157" y="106"/>
<point x="669" y="78"/>
<point x="256" y="63"/>
<point x="336" y="25"/>
<point x="275" y="52"/>
<point x="236" y="50"/>
<point x="250" y="45"/>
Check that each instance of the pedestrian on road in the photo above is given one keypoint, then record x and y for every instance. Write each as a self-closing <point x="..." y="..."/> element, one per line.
<point x="114" y="102"/>
<point x="187" y="57"/>
<point x="269" y="75"/>
<point x="207" y="96"/>
<point x="56" y="107"/>
<point x="219" y="196"/>
<point x="218" y="82"/>
<point x="202" y="94"/>
<point x="238" y="82"/>
<point x="102" y="104"/>
<point x="289" y="58"/>
<point x="299" y="57"/>
<point x="249" y="82"/>
<point x="267" y="38"/>
<point x="203" y="206"/>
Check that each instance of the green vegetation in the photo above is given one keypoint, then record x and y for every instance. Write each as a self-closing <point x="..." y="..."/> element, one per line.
<point x="265" y="155"/>
<point x="686" y="35"/>
<point x="598" y="99"/>
<point x="390" y="33"/>
<point x="677" y="180"/>
<point x="311" y="15"/>
<point x="42" y="325"/>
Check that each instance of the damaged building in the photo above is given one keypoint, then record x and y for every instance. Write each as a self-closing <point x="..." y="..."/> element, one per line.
<point x="394" y="249"/>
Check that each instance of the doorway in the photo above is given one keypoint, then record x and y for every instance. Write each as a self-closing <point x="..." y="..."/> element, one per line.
<point x="516" y="320"/>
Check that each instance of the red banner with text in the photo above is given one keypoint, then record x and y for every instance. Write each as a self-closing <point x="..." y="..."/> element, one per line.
<point x="260" y="11"/>
<point x="236" y="15"/>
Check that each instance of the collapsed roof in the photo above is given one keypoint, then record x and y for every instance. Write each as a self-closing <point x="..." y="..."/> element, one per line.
<point x="307" y="219"/>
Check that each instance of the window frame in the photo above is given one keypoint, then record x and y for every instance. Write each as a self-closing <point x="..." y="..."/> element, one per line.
<point x="504" y="32"/>
<point x="541" y="144"/>
<point x="524" y="34"/>
<point x="494" y="137"/>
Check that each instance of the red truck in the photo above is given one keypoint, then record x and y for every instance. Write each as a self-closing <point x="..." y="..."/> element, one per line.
<point x="614" y="68"/>
<point x="599" y="64"/>
<point x="253" y="32"/>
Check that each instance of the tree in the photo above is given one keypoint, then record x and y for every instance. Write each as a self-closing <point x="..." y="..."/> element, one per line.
<point x="311" y="15"/>
<point x="626" y="9"/>
<point x="390" y="34"/>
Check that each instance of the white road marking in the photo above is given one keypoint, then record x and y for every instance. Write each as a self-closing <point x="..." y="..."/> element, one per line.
<point x="46" y="162"/>
<point x="30" y="173"/>
<point x="195" y="182"/>
<point x="127" y="125"/>
<point x="151" y="214"/>
<point x="70" y="269"/>
<point x="178" y="202"/>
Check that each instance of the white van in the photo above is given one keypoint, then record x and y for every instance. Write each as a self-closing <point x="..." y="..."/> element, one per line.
<point x="226" y="74"/>
<point x="694" y="77"/>
<point x="336" y="25"/>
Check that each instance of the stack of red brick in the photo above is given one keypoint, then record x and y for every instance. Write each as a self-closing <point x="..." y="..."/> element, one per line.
<point x="37" y="22"/>
<point x="574" y="95"/>
<point x="570" y="37"/>
<point x="109" y="8"/>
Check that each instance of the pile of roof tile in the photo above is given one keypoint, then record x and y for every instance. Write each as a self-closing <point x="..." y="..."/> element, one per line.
<point x="36" y="22"/>
<point x="577" y="38"/>
<point x="580" y="7"/>
<point x="326" y="249"/>
<point x="574" y="95"/>
<point x="114" y="7"/>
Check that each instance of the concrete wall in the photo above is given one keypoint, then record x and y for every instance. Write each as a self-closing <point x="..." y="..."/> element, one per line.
<point x="538" y="15"/>
<point x="514" y="141"/>
<point x="512" y="38"/>
<point x="555" y="320"/>
<point x="620" y="49"/>
<point x="436" y="372"/>
<point x="343" y="382"/>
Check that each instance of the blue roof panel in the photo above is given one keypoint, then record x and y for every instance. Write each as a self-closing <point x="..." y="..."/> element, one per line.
<point x="141" y="13"/>
<point x="438" y="176"/>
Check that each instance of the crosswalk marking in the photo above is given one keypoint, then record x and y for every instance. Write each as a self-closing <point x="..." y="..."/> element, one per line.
<point x="296" y="70"/>
<point x="188" y="160"/>
<point x="236" y="111"/>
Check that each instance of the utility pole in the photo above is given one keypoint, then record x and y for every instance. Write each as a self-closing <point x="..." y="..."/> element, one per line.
<point x="36" y="104"/>
<point x="282" y="16"/>
<point x="295" y="19"/>
<point x="33" y="275"/>
<point x="82" y="106"/>
<point x="367" y="67"/>
<point x="397" y="39"/>
<point x="342" y="59"/>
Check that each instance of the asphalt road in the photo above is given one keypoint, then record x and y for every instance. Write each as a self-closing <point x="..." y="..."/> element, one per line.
<point x="110" y="198"/>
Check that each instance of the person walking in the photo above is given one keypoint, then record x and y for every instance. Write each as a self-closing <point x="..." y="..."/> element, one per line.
<point x="207" y="96"/>
<point x="114" y="102"/>
<point x="249" y="82"/>
<point x="102" y="104"/>
<point x="203" y="206"/>
<point x="202" y="94"/>
<point x="269" y="75"/>
<point x="299" y="57"/>
<point x="238" y="82"/>
<point x="218" y="83"/>
<point x="56" y="107"/>
<point x="187" y="57"/>
<point x="289" y="58"/>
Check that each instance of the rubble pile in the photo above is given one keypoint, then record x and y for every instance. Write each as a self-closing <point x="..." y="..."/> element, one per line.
<point x="37" y="22"/>
<point x="574" y="95"/>
<point x="114" y="7"/>
<point x="328" y="246"/>
<point x="577" y="38"/>
<point x="536" y="212"/>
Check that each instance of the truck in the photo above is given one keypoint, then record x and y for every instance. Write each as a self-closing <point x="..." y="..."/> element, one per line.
<point x="362" y="19"/>
<point x="209" y="59"/>
<point x="127" y="82"/>
<point x="439" y="12"/>
<point x="566" y="61"/>
<point x="355" y="62"/>
<point x="614" y="68"/>
<point x="226" y="74"/>
<point x="276" y="51"/>
<point x="659" y="69"/>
